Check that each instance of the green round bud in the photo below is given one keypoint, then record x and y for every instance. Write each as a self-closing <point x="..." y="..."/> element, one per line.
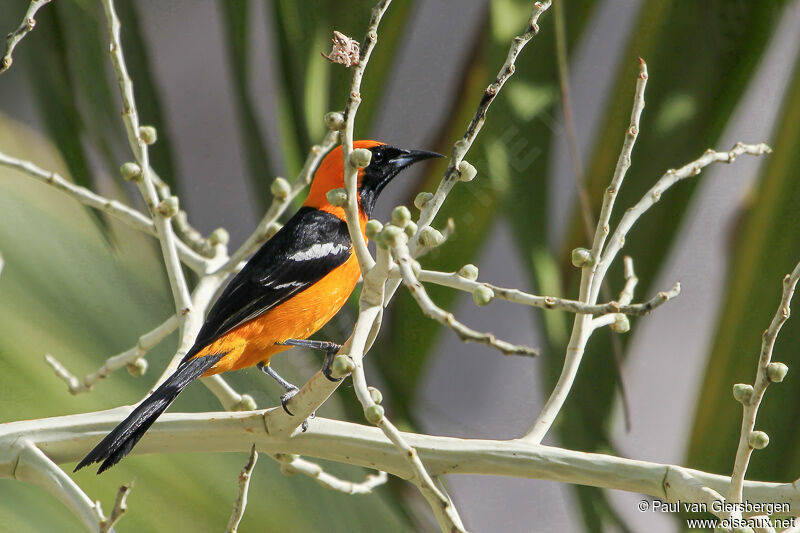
<point x="247" y="403"/>
<point x="372" y="228"/>
<point x="581" y="257"/>
<point x="168" y="207"/>
<point x="758" y="440"/>
<point x="410" y="229"/>
<point x="401" y="216"/>
<point x="421" y="199"/>
<point x="391" y="236"/>
<point x="137" y="368"/>
<point x="360" y="157"/>
<point x="621" y="324"/>
<point x="482" y="295"/>
<point x="148" y="134"/>
<point x="466" y="172"/>
<point x="334" y="120"/>
<point x="430" y="237"/>
<point x="373" y="414"/>
<point x="375" y="394"/>
<point x="337" y="197"/>
<point x="469" y="272"/>
<point x="131" y="171"/>
<point x="776" y="372"/>
<point x="743" y="392"/>
<point x="342" y="365"/>
<point x="280" y="188"/>
<point x="219" y="236"/>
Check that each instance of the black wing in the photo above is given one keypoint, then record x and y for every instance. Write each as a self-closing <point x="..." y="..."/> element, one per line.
<point x="309" y="246"/>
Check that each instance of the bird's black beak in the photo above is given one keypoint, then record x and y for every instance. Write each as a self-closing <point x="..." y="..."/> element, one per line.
<point x="409" y="157"/>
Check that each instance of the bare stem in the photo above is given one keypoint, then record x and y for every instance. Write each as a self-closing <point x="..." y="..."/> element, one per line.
<point x="623" y="163"/>
<point x="670" y="178"/>
<point x="750" y="405"/>
<point x="25" y="27"/>
<point x="268" y="225"/>
<point x="139" y="148"/>
<point x="293" y="464"/>
<point x="244" y="485"/>
<point x="402" y="257"/>
<point x="462" y="146"/>
<point x="453" y="280"/>
<point x="350" y="170"/>
<point x="145" y="343"/>
<point x="120" y="508"/>
<point x="118" y="210"/>
<point x="31" y="465"/>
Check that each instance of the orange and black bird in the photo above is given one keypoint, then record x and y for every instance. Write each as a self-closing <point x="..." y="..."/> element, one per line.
<point x="291" y="287"/>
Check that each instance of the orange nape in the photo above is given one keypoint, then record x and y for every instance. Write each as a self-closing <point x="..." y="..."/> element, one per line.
<point x="297" y="318"/>
<point x="330" y="175"/>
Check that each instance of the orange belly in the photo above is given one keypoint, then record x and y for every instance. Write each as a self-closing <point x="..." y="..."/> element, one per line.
<point x="297" y="318"/>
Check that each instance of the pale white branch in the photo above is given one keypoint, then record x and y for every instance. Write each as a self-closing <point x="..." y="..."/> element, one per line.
<point x="293" y="464"/>
<point x="431" y="310"/>
<point x="31" y="465"/>
<point x="25" y="27"/>
<point x="267" y="227"/>
<point x="120" y="508"/>
<point x="244" y="485"/>
<point x="454" y="281"/>
<point x="623" y="163"/>
<point x="752" y="401"/>
<point x="116" y="209"/>
<point x="462" y="146"/>
<point x="139" y="148"/>
<point x="365" y="260"/>
<point x="145" y="343"/>
<point x="65" y="439"/>
<point x="670" y="178"/>
<point x="626" y="296"/>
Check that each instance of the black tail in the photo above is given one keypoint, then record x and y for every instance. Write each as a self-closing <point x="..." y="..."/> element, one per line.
<point x="124" y="437"/>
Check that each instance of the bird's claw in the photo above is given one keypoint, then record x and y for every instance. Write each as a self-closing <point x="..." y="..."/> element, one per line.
<point x="285" y="397"/>
<point x="326" y="371"/>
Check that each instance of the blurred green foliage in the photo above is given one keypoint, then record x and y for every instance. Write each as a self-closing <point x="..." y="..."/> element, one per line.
<point x="83" y="290"/>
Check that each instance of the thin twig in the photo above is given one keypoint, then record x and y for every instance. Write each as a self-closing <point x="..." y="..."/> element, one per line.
<point x="145" y="343"/>
<point x="350" y="170"/>
<point x="120" y="508"/>
<point x="751" y="404"/>
<point x="670" y="178"/>
<point x="267" y="226"/>
<point x="244" y="485"/>
<point x="453" y="280"/>
<point x="402" y="257"/>
<point x="443" y="509"/>
<point x="25" y="27"/>
<point x="293" y="464"/>
<point x="462" y="146"/>
<point x="623" y="163"/>
<point x="139" y="148"/>
<point x="118" y="210"/>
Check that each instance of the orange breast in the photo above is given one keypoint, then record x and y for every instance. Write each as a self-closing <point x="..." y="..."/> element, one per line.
<point x="297" y="318"/>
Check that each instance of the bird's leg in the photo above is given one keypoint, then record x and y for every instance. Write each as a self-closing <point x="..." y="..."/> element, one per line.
<point x="290" y="389"/>
<point x="330" y="349"/>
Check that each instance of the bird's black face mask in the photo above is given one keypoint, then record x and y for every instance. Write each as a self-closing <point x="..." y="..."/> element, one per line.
<point x="387" y="161"/>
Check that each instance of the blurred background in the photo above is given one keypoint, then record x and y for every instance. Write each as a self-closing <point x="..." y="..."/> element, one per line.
<point x="237" y="91"/>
